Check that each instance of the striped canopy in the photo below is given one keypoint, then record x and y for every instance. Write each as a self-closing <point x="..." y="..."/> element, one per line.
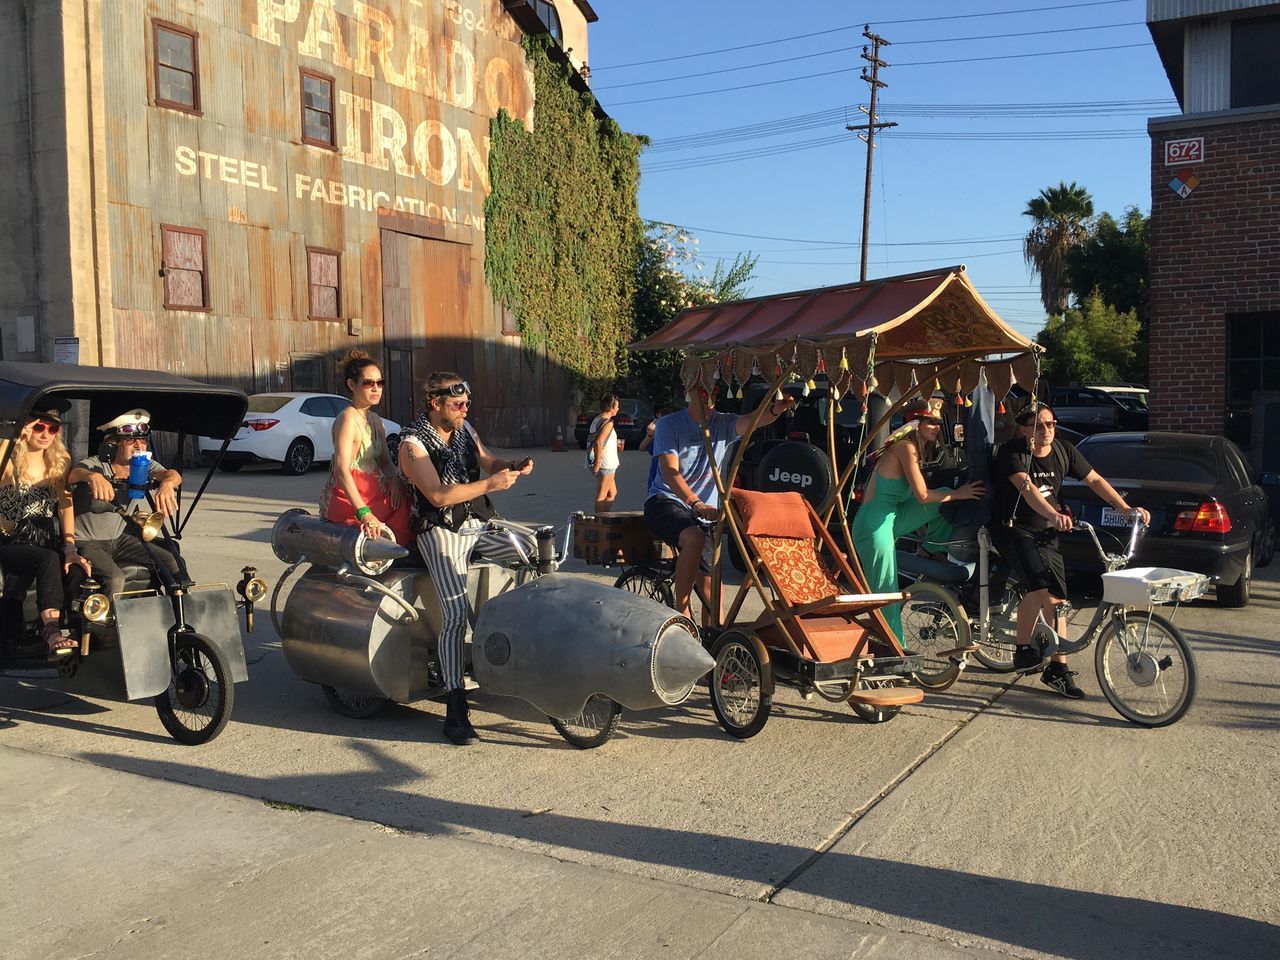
<point x="918" y="323"/>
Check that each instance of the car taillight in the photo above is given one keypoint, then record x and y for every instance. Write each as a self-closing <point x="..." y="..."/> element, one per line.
<point x="260" y="424"/>
<point x="1210" y="517"/>
<point x="583" y="419"/>
<point x="625" y="420"/>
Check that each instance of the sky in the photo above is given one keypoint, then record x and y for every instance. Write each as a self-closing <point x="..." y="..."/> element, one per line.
<point x="986" y="120"/>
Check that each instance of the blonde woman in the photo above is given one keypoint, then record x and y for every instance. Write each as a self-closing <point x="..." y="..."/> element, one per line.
<point x="898" y="501"/>
<point x="37" y="523"/>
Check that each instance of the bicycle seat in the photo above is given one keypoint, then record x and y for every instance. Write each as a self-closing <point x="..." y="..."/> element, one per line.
<point x="940" y="571"/>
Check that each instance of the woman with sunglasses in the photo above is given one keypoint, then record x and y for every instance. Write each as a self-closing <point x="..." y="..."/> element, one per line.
<point x="899" y="501"/>
<point x="363" y="487"/>
<point x="37" y="525"/>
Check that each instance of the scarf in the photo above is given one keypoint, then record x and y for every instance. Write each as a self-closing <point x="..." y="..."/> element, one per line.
<point x="452" y="456"/>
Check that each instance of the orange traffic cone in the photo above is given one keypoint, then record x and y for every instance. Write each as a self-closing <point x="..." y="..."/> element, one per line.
<point x="557" y="445"/>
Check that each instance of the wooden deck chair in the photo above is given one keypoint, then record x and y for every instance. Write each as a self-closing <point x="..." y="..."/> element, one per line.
<point x="813" y="612"/>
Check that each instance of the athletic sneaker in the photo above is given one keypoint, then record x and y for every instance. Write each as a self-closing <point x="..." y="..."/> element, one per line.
<point x="1057" y="676"/>
<point x="1025" y="659"/>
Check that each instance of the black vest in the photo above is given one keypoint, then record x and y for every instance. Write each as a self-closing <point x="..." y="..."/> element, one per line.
<point x="452" y="517"/>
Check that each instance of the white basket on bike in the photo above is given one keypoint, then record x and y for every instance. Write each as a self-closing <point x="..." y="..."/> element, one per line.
<point x="1140" y="586"/>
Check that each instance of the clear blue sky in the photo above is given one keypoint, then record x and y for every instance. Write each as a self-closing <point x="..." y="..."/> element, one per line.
<point x="939" y="176"/>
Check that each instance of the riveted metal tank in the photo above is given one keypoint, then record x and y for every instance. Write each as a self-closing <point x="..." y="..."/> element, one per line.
<point x="559" y="639"/>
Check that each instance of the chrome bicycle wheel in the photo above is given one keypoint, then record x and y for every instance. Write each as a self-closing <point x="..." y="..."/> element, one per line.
<point x="1145" y="669"/>
<point x="648" y="582"/>
<point x="932" y="624"/>
<point x="593" y="726"/>
<point x="997" y="653"/>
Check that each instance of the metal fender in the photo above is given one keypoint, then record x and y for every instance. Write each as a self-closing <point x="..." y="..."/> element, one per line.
<point x="559" y="639"/>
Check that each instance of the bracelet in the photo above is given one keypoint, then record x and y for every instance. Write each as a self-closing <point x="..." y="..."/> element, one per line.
<point x="363" y="512"/>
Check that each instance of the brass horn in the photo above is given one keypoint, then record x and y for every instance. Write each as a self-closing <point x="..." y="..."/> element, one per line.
<point x="149" y="524"/>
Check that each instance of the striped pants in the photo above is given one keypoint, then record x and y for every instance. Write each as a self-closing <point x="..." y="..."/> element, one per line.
<point x="448" y="555"/>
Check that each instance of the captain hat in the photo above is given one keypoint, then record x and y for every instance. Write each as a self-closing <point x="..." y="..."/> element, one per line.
<point x="130" y="418"/>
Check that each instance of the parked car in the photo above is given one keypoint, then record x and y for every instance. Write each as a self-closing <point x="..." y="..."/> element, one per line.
<point x="293" y="429"/>
<point x="634" y="417"/>
<point x="1098" y="407"/>
<point x="1209" y="513"/>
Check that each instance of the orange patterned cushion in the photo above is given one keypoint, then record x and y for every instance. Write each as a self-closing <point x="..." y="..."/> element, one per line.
<point x="794" y="566"/>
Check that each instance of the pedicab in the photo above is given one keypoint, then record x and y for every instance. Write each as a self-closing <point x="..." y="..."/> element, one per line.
<point x="363" y="623"/>
<point x="821" y="631"/>
<point x="168" y="639"/>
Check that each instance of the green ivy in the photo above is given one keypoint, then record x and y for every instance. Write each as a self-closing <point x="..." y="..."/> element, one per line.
<point x="562" y="225"/>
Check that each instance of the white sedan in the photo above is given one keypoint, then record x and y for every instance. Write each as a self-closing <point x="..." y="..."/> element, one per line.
<point x="293" y="429"/>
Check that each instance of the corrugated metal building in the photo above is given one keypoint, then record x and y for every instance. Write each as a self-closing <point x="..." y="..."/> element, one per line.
<point x="243" y="190"/>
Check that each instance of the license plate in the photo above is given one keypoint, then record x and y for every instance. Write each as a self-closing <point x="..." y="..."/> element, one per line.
<point x="1114" y="518"/>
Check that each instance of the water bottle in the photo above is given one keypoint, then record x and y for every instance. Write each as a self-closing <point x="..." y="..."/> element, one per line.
<point x="139" y="471"/>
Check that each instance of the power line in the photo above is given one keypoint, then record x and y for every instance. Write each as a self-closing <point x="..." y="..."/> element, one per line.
<point x="827" y="53"/>
<point x="835" y="243"/>
<point x="918" y="63"/>
<point x="879" y="23"/>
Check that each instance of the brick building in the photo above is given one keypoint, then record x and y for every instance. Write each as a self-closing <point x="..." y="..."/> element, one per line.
<point x="1215" y="216"/>
<point x="241" y="191"/>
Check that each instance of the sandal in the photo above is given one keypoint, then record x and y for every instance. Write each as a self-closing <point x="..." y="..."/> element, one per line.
<point x="60" y="645"/>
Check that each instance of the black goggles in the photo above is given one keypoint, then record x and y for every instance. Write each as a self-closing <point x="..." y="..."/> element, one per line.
<point x="131" y="430"/>
<point x="462" y="389"/>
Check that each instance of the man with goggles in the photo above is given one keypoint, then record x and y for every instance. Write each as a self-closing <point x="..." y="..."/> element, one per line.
<point x="683" y="490"/>
<point x="105" y="537"/>
<point x="452" y="474"/>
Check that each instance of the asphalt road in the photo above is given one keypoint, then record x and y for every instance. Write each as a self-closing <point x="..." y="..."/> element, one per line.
<point x="995" y="815"/>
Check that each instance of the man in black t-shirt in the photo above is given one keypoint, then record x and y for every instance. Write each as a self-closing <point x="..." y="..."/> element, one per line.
<point x="1029" y="471"/>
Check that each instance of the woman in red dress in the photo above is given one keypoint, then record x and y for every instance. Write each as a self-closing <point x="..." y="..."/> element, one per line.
<point x="363" y="487"/>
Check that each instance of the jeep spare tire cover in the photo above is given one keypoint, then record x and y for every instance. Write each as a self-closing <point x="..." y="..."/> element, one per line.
<point x="798" y="466"/>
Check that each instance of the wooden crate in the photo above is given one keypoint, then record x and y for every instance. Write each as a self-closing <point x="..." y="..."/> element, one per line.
<point x="611" y="537"/>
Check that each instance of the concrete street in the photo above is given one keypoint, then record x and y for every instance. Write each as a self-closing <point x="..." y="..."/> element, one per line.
<point x="993" y="817"/>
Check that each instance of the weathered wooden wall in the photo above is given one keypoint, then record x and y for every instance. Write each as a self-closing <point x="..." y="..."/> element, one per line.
<point x="402" y="196"/>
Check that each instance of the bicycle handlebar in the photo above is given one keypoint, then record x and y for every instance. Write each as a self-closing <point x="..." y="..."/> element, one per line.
<point x="1114" y="561"/>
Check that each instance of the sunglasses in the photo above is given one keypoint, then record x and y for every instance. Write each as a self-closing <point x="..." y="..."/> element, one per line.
<point x="1046" y="424"/>
<point x="462" y="389"/>
<point x="129" y="430"/>
<point x="44" y="426"/>
<point x="458" y="404"/>
<point x="379" y="383"/>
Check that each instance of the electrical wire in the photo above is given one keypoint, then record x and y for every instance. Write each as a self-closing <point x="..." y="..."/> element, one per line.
<point x="756" y="236"/>
<point x="879" y="24"/>
<point x="918" y="63"/>
<point x="855" y="48"/>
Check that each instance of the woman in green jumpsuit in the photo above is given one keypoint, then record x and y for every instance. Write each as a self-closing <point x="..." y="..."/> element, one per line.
<point x="898" y="502"/>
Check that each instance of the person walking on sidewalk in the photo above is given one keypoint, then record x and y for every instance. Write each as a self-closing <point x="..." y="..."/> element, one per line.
<point x="442" y="458"/>
<point x="602" y="453"/>
<point x="1026" y="521"/>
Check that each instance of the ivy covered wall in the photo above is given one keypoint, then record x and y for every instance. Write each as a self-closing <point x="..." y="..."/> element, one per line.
<point x="562" y="225"/>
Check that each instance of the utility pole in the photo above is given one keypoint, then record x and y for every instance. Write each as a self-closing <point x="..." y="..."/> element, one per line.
<point x="871" y="126"/>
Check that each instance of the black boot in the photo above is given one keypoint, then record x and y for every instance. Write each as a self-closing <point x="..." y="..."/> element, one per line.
<point x="457" y="722"/>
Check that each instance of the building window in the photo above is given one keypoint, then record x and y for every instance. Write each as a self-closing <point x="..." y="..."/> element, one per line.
<point x="317" y="110"/>
<point x="1253" y="363"/>
<point x="177" y="56"/>
<point x="307" y="373"/>
<point x="547" y="14"/>
<point x="324" y="284"/>
<point x="182" y="264"/>
<point x="1255" y="81"/>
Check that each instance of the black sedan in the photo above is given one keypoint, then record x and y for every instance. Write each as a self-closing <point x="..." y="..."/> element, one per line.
<point x="1208" y="512"/>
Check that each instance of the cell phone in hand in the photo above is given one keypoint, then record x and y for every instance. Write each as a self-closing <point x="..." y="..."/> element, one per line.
<point x="522" y="464"/>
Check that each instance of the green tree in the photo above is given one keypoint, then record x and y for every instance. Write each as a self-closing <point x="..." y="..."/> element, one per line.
<point x="1094" y="341"/>
<point x="1113" y="261"/>
<point x="1060" y="223"/>
<point x="669" y="278"/>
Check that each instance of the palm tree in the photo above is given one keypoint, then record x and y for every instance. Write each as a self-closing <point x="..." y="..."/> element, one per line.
<point x="1061" y="216"/>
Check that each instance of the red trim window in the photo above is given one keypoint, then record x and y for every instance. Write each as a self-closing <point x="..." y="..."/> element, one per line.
<point x="183" y="265"/>
<point x="177" y="66"/>
<point x="318" y="128"/>
<point x="324" y="284"/>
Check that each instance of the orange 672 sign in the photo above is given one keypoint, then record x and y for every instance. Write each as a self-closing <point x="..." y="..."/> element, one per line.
<point x="1186" y="150"/>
